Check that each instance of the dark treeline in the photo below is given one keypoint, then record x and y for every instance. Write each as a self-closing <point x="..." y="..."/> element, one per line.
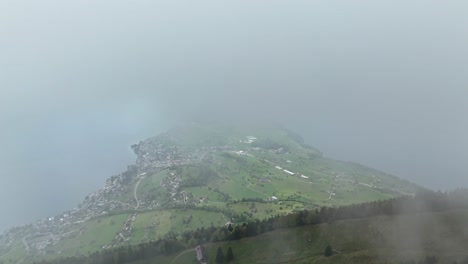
<point x="427" y="201"/>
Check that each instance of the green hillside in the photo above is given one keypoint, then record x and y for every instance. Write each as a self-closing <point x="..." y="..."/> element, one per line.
<point x="201" y="176"/>
<point x="382" y="239"/>
<point x="426" y="229"/>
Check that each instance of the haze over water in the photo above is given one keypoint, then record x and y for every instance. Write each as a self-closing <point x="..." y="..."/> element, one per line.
<point x="379" y="83"/>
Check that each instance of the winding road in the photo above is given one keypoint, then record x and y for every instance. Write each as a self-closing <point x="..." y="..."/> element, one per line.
<point x="135" y="194"/>
<point x="25" y="243"/>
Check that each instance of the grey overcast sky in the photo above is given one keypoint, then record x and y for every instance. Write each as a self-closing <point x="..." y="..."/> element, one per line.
<point x="383" y="83"/>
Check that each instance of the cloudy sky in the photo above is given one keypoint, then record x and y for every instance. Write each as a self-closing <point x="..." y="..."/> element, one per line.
<point x="383" y="83"/>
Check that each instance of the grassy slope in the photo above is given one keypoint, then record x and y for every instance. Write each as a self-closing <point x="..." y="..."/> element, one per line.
<point x="87" y="241"/>
<point x="165" y="221"/>
<point x="16" y="252"/>
<point x="383" y="239"/>
<point x="236" y="177"/>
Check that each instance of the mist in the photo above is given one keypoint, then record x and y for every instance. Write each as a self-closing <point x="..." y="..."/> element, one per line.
<point x="379" y="83"/>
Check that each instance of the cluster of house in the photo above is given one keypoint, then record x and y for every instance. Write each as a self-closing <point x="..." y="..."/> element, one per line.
<point x="50" y="230"/>
<point x="7" y="238"/>
<point x="41" y="242"/>
<point x="159" y="152"/>
<point x="126" y="232"/>
<point x="272" y="199"/>
<point x="46" y="232"/>
<point x="172" y="184"/>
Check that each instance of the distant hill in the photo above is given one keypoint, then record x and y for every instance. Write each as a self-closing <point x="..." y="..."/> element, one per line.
<point x="201" y="176"/>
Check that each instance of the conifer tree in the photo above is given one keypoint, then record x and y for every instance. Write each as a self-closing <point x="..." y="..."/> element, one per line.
<point x="229" y="255"/>
<point x="328" y="251"/>
<point x="219" y="256"/>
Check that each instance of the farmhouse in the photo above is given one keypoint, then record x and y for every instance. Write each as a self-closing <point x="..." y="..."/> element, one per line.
<point x="201" y="254"/>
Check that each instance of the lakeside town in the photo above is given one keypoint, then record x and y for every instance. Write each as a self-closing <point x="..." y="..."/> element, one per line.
<point x="152" y="156"/>
<point x="120" y="194"/>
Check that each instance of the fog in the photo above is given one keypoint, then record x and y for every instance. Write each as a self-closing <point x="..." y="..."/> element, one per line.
<point x="382" y="83"/>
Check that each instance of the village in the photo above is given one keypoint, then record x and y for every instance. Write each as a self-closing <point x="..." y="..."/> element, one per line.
<point x="38" y="237"/>
<point x="152" y="156"/>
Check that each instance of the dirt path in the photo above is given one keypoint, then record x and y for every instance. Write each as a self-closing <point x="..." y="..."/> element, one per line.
<point x="248" y="186"/>
<point x="182" y="253"/>
<point x="26" y="246"/>
<point x="69" y="232"/>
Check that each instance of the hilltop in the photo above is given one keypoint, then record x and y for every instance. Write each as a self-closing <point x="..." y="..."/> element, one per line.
<point x="200" y="176"/>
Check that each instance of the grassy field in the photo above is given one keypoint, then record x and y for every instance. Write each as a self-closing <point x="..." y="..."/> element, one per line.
<point x="87" y="241"/>
<point x="383" y="239"/>
<point x="16" y="252"/>
<point x="156" y="224"/>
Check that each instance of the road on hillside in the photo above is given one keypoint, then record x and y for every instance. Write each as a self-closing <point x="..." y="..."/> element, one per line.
<point x="25" y="243"/>
<point x="135" y="193"/>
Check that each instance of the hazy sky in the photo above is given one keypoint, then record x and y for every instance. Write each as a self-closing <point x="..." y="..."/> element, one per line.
<point x="383" y="83"/>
